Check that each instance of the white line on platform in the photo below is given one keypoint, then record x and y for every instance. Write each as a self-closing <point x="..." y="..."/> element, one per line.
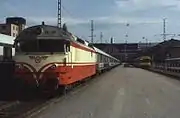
<point x="147" y="101"/>
<point x="121" y="91"/>
<point x="118" y="104"/>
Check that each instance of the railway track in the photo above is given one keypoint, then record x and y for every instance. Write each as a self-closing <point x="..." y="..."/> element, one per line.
<point x="5" y="105"/>
<point x="16" y="109"/>
<point x="30" y="108"/>
<point x="23" y="109"/>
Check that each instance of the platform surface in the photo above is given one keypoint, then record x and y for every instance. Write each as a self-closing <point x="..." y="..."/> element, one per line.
<point x="121" y="93"/>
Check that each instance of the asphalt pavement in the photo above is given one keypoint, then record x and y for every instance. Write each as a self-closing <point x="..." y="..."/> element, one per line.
<point x="121" y="93"/>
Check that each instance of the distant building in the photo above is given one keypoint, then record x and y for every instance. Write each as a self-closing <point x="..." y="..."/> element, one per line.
<point x="143" y="46"/>
<point x="13" y="26"/>
<point x="123" y="51"/>
<point x="6" y="41"/>
<point x="166" y="49"/>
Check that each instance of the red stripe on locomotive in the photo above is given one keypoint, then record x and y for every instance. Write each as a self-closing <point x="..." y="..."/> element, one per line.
<point x="65" y="74"/>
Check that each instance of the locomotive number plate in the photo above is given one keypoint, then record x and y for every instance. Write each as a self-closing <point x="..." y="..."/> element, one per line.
<point x="38" y="59"/>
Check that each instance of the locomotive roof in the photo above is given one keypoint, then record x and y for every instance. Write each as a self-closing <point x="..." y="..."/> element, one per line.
<point x="49" y="32"/>
<point x="44" y="32"/>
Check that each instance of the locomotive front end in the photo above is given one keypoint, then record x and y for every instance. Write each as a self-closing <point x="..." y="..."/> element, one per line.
<point x="39" y="71"/>
<point x="41" y="52"/>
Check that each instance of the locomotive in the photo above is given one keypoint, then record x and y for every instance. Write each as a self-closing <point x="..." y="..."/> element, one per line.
<point x="143" y="62"/>
<point x="49" y="58"/>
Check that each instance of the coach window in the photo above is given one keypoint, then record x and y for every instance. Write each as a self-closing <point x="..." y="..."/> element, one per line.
<point x="103" y="58"/>
<point x="100" y="58"/>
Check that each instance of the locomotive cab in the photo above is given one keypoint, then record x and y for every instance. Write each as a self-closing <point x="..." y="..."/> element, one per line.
<point x="40" y="51"/>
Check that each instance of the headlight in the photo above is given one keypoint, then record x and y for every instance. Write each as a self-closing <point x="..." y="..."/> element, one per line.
<point x="19" y="66"/>
<point x="53" y="66"/>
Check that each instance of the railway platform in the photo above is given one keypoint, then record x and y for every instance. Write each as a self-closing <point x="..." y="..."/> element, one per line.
<point x="120" y="93"/>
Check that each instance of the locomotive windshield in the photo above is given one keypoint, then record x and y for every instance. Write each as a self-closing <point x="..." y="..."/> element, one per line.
<point x="42" y="46"/>
<point x="145" y="60"/>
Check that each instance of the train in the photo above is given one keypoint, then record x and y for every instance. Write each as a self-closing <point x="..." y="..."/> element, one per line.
<point x="143" y="62"/>
<point x="50" y="58"/>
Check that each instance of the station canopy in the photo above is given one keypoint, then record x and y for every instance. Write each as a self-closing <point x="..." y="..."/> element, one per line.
<point x="6" y="40"/>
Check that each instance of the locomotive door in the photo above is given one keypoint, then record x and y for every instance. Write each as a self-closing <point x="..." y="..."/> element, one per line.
<point x="70" y="59"/>
<point x="69" y="56"/>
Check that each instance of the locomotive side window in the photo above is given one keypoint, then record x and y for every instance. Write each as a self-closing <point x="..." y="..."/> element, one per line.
<point x="67" y="47"/>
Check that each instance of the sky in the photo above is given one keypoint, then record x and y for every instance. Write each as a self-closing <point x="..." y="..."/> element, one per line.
<point x="145" y="17"/>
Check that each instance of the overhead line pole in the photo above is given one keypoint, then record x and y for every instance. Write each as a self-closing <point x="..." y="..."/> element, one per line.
<point x="164" y="29"/>
<point x="92" y="31"/>
<point x="125" y="47"/>
<point x="101" y="37"/>
<point x="59" y="14"/>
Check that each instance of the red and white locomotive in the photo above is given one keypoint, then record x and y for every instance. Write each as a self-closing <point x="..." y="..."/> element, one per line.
<point x="48" y="57"/>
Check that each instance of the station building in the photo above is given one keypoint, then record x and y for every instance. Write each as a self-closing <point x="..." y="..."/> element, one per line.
<point x="13" y="26"/>
<point x="124" y="51"/>
<point x="164" y="50"/>
<point x="6" y="42"/>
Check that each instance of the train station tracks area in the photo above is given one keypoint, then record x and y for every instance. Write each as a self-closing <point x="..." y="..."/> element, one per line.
<point x="48" y="71"/>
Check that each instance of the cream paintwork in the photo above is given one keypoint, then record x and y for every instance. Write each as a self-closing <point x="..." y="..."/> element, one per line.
<point x="50" y="59"/>
<point x="75" y="56"/>
<point x="82" y="56"/>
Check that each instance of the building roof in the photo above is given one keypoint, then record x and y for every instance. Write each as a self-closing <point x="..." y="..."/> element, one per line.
<point x="164" y="44"/>
<point x="6" y="40"/>
<point x="161" y="50"/>
<point x="118" y="46"/>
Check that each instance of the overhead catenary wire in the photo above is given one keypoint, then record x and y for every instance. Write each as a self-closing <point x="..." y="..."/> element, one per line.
<point x="73" y="17"/>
